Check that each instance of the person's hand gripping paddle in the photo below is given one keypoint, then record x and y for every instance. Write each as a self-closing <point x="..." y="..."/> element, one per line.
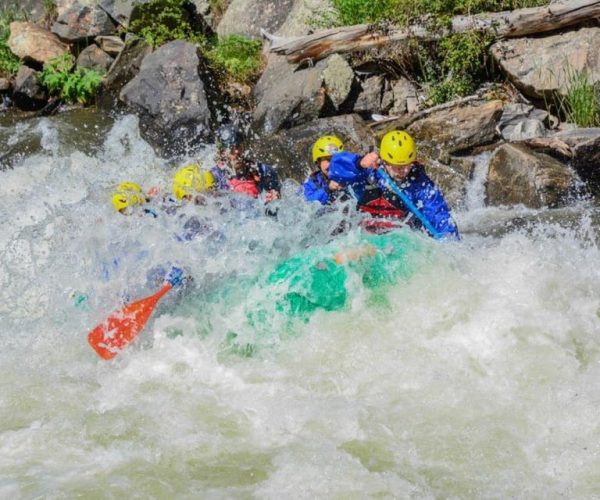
<point x="112" y="335"/>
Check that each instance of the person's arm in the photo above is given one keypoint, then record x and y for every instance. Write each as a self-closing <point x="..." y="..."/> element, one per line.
<point x="313" y="191"/>
<point x="345" y="169"/>
<point x="428" y="198"/>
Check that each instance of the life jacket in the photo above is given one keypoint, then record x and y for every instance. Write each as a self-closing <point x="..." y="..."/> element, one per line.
<point x="246" y="186"/>
<point x="381" y="203"/>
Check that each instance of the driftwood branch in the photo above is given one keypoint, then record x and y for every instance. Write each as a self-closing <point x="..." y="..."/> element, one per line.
<point x="509" y="24"/>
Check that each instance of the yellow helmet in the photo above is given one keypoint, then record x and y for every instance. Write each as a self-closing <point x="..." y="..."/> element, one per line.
<point x="191" y="179"/>
<point x="128" y="186"/>
<point x="398" y="148"/>
<point x="127" y="198"/>
<point x="325" y="146"/>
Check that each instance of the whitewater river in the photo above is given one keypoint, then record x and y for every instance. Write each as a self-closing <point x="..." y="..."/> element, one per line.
<point x="475" y="375"/>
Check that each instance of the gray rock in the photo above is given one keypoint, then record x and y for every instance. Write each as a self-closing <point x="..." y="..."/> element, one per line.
<point x="93" y="57"/>
<point x="36" y="10"/>
<point x="124" y="68"/>
<point x="120" y="10"/>
<point x="169" y="96"/>
<point x="457" y="129"/>
<point x="63" y="5"/>
<point x="337" y="79"/>
<point x="519" y="176"/>
<point x="248" y="17"/>
<point x="112" y="45"/>
<point x="81" y="22"/>
<point x="402" y="90"/>
<point x="539" y="66"/>
<point x="28" y="94"/>
<point x="369" y="99"/>
<point x="524" y="129"/>
<point x="286" y="98"/>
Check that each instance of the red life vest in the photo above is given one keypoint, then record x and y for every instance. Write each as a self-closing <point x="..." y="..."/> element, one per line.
<point x="246" y="186"/>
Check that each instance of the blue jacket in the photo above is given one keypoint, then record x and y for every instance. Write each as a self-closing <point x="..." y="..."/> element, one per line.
<point x="418" y="187"/>
<point x="316" y="188"/>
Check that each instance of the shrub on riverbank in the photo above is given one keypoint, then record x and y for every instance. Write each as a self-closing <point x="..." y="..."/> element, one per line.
<point x="236" y="57"/>
<point x="79" y="85"/>
<point x="9" y="63"/>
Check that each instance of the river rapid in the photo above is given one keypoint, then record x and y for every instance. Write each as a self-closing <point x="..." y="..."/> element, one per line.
<point x="476" y="376"/>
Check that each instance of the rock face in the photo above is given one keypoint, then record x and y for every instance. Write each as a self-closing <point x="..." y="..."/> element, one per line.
<point x="286" y="98"/>
<point x="125" y="67"/>
<point x="93" y="57"/>
<point x="33" y="43"/>
<point x="518" y="175"/>
<point x="28" y="94"/>
<point x="120" y="10"/>
<point x="81" y="22"/>
<point x="170" y="98"/>
<point x="247" y="17"/>
<point x="290" y="150"/>
<point x="457" y="129"/>
<point x="539" y="66"/>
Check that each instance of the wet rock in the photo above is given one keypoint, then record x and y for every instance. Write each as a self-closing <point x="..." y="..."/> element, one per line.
<point x="81" y="22"/>
<point x="247" y="17"/>
<point x="457" y="129"/>
<point x="124" y="68"/>
<point x="290" y="150"/>
<point x="33" y="43"/>
<point x="586" y="161"/>
<point x="112" y="45"/>
<point x="28" y="94"/>
<point x="518" y="175"/>
<point x="170" y="98"/>
<point x="452" y="179"/>
<point x="539" y="66"/>
<point x="93" y="57"/>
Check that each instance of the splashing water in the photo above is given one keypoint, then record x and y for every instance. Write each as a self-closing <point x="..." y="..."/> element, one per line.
<point x="473" y="375"/>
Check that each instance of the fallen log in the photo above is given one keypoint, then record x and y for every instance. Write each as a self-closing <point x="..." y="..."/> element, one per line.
<point x="507" y="24"/>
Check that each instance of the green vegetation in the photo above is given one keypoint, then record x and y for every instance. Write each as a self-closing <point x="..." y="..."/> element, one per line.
<point x="404" y="11"/>
<point x="581" y="103"/>
<point x="161" y="21"/>
<point x="72" y="86"/>
<point x="450" y="67"/>
<point x="236" y="56"/>
<point x="9" y="63"/>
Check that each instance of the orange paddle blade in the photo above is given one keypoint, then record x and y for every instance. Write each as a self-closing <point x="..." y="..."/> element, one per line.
<point x="111" y="336"/>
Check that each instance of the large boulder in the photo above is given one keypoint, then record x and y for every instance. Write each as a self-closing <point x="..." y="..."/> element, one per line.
<point x="248" y="17"/>
<point x="457" y="129"/>
<point x="287" y="97"/>
<point x="169" y="95"/>
<point x="518" y="175"/>
<point x="125" y="67"/>
<point x="33" y="43"/>
<point x="64" y="5"/>
<point x="81" y="22"/>
<point x="540" y="66"/>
